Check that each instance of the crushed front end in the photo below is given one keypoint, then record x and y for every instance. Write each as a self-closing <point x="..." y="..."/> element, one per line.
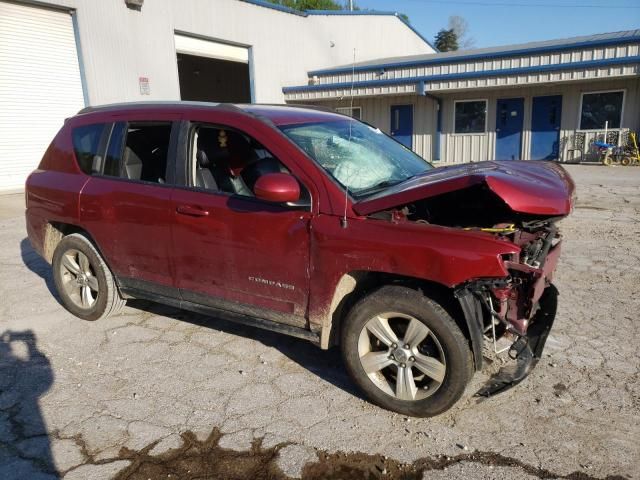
<point x="519" y="203"/>
<point x="521" y="306"/>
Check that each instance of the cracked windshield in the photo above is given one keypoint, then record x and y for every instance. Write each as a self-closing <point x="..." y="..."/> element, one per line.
<point x="361" y="158"/>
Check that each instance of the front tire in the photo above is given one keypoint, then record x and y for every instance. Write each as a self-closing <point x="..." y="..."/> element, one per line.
<point x="405" y="352"/>
<point x="83" y="279"/>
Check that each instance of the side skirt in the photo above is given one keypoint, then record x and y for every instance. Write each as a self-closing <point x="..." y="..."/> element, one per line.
<point x="223" y="314"/>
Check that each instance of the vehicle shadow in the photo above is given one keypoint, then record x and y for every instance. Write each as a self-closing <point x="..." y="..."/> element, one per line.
<point x="25" y="375"/>
<point x="326" y="364"/>
<point x="38" y="265"/>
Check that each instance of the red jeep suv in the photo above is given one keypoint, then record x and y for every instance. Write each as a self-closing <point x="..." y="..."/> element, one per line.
<point x="309" y="223"/>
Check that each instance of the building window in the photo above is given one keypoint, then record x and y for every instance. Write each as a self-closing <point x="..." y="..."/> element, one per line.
<point x="470" y="116"/>
<point x="355" y="112"/>
<point x="601" y="107"/>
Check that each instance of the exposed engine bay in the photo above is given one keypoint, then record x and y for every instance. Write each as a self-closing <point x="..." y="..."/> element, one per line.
<point x="520" y="307"/>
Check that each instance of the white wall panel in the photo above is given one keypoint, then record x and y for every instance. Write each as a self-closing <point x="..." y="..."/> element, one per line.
<point x="39" y="85"/>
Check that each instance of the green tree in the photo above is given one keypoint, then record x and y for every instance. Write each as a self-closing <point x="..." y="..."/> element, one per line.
<point x="446" y="40"/>
<point x="323" y="5"/>
<point x="309" y="4"/>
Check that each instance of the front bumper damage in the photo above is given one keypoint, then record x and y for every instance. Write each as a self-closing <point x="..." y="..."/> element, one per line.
<point x="527" y="350"/>
<point x="523" y="306"/>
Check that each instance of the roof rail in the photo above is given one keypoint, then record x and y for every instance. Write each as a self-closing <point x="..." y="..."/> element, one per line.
<point x="147" y="104"/>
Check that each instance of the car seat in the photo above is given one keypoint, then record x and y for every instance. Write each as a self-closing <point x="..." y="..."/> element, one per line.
<point x="204" y="177"/>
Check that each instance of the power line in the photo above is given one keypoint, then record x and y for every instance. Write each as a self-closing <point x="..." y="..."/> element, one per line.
<point x="510" y="4"/>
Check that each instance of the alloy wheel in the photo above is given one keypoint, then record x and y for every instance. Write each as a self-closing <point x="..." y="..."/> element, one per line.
<point x="401" y="356"/>
<point x="78" y="279"/>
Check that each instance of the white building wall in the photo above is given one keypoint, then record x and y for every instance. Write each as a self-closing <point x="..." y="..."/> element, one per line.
<point x="119" y="44"/>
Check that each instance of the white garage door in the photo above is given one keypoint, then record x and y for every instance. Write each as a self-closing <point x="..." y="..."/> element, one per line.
<point x="39" y="85"/>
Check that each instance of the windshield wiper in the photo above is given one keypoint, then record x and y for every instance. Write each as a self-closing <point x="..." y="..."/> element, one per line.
<point x="378" y="186"/>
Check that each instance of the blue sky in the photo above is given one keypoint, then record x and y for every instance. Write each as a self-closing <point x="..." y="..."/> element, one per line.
<point x="501" y="22"/>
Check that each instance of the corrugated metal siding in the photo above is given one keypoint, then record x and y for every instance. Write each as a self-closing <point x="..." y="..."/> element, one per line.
<point x="458" y="148"/>
<point x="520" y="61"/>
<point x="575" y="43"/>
<point x="437" y="87"/>
<point x="39" y="85"/>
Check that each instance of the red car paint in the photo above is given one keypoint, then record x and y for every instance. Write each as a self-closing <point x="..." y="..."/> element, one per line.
<point x="527" y="187"/>
<point x="277" y="263"/>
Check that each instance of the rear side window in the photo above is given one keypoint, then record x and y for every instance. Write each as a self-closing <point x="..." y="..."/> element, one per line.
<point x="138" y="151"/>
<point x="86" y="142"/>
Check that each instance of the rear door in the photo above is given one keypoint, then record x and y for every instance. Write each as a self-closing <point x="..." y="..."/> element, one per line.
<point x="126" y="205"/>
<point x="233" y="251"/>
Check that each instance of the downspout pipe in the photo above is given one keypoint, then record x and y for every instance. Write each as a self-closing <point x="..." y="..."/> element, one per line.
<point x="422" y="90"/>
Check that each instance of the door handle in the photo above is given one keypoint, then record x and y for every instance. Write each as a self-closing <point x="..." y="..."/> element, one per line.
<point x="192" y="211"/>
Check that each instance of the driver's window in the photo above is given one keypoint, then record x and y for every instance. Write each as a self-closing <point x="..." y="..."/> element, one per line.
<point x="226" y="160"/>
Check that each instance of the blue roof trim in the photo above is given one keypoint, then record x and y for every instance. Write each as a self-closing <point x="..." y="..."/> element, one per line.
<point x="477" y="56"/>
<point x="349" y="12"/>
<point x="460" y="76"/>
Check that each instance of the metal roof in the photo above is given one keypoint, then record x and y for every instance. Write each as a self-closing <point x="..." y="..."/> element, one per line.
<point x="600" y="39"/>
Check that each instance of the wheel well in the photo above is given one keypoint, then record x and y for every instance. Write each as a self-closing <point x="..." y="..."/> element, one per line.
<point x="367" y="282"/>
<point x="55" y="232"/>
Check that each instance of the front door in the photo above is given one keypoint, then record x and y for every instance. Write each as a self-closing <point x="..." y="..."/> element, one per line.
<point x="545" y="127"/>
<point x="509" y="117"/>
<point x="232" y="250"/>
<point x="402" y="124"/>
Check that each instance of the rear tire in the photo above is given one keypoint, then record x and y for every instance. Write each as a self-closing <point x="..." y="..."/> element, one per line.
<point x="420" y="367"/>
<point x="83" y="279"/>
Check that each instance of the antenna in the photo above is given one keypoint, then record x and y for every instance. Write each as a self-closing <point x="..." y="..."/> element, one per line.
<point x="343" y="222"/>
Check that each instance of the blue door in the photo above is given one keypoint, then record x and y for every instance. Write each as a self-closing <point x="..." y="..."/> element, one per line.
<point x="545" y="127"/>
<point x="509" y="117"/>
<point x="402" y="124"/>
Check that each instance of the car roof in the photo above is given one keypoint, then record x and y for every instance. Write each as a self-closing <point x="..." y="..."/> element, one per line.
<point x="292" y="114"/>
<point x="274" y="114"/>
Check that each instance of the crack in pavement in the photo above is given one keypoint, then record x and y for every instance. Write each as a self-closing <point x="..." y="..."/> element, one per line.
<point x="197" y="458"/>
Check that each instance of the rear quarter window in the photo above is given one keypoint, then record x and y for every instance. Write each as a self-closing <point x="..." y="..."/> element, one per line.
<point x="86" y="142"/>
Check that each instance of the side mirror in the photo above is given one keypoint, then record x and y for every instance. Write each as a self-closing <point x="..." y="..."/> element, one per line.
<point x="277" y="187"/>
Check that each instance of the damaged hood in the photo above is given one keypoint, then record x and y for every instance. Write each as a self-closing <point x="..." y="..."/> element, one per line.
<point x="531" y="187"/>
